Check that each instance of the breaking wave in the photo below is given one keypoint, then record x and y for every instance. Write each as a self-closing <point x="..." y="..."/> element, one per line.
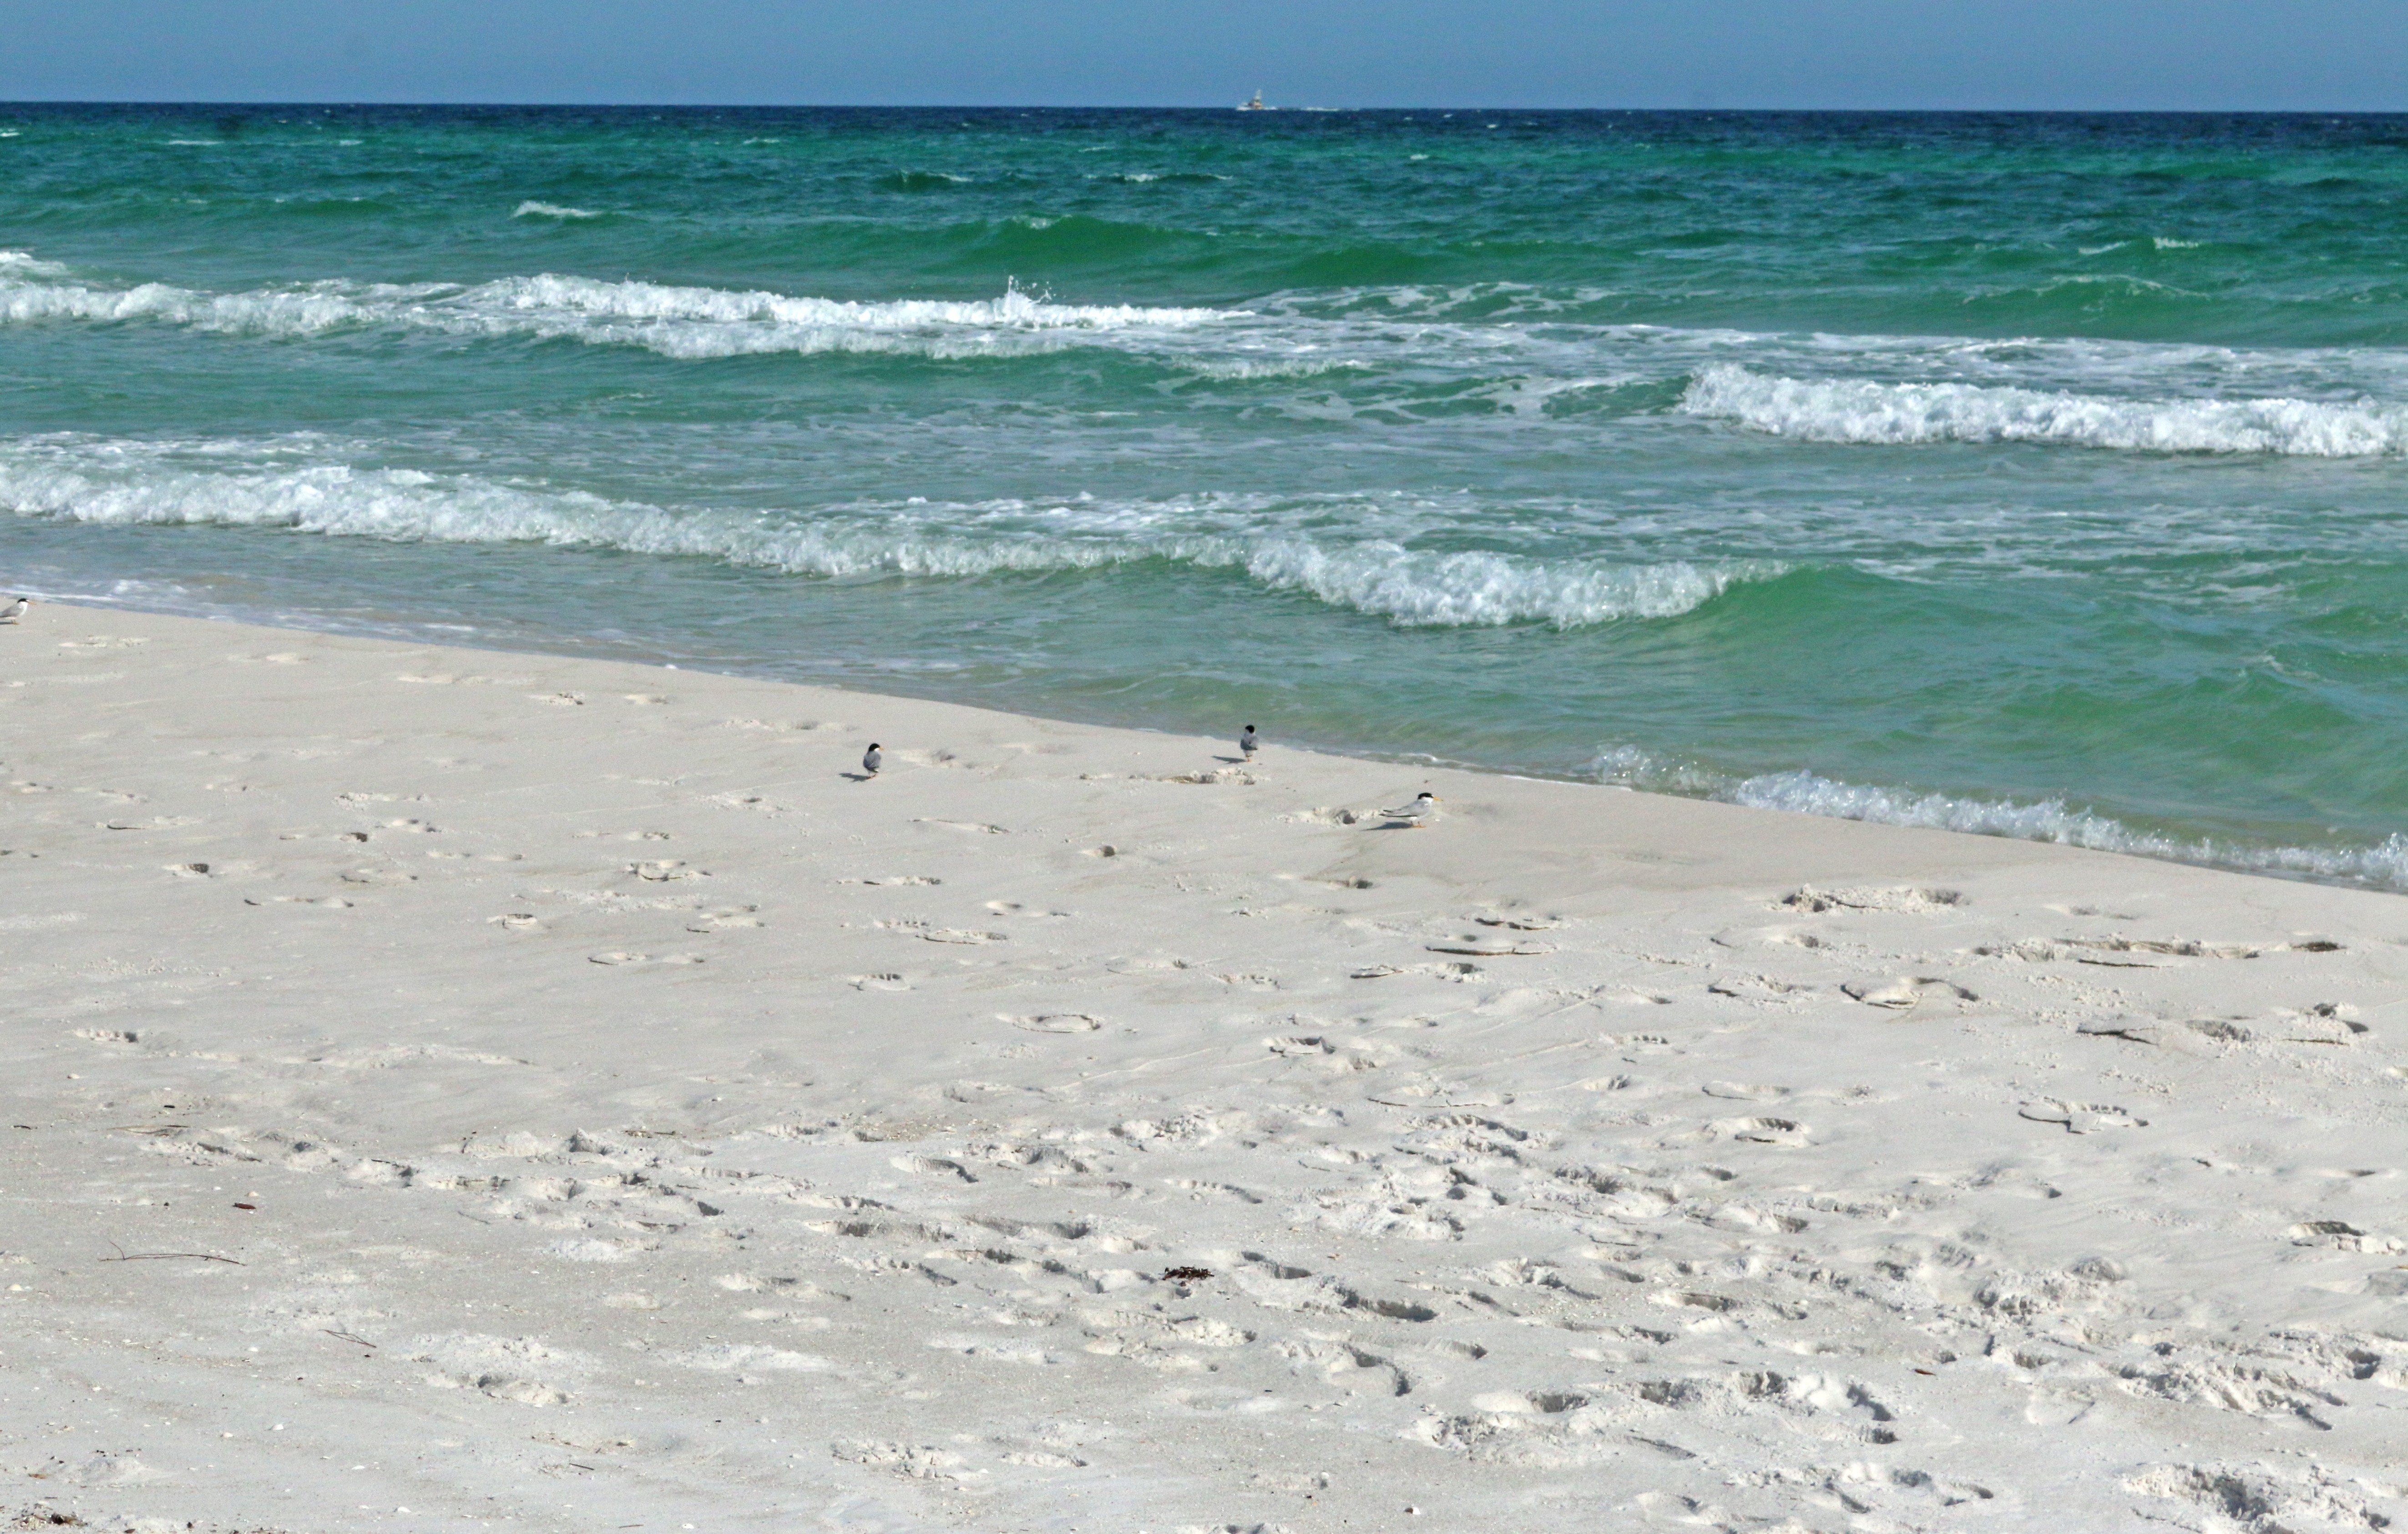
<point x="686" y="322"/>
<point x="1408" y="586"/>
<point x="1866" y="412"/>
<point x="2383" y="865"/>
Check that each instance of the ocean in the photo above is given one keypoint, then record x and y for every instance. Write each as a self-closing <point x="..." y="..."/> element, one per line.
<point x="2043" y="475"/>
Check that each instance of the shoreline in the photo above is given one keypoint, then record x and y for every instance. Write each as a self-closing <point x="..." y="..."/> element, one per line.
<point x="2085" y="829"/>
<point x="503" y="1085"/>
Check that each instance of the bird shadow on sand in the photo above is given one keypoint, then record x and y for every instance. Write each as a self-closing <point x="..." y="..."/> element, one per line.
<point x="858" y="776"/>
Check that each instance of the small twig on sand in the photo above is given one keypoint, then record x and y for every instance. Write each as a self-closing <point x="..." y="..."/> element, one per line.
<point x="347" y="1336"/>
<point x="123" y="1256"/>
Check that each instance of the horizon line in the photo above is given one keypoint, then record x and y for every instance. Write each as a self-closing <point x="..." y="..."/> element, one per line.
<point x="295" y="104"/>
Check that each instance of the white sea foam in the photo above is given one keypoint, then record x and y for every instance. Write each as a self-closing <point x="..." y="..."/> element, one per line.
<point x="1530" y="342"/>
<point x="678" y="321"/>
<point x="17" y="266"/>
<point x="531" y="209"/>
<point x="1408" y="586"/>
<point x="2383" y="864"/>
<point x="1866" y="412"/>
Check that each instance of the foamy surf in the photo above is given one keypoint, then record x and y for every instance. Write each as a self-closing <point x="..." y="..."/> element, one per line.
<point x="2383" y="863"/>
<point x="1410" y="587"/>
<point x="687" y="322"/>
<point x="1864" y="412"/>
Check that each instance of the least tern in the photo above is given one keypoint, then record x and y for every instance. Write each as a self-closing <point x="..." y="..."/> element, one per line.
<point x="871" y="760"/>
<point x="1248" y="742"/>
<point x="1422" y="811"/>
<point x="15" y="610"/>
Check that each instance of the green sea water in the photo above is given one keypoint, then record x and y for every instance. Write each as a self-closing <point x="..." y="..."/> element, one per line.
<point x="2035" y="475"/>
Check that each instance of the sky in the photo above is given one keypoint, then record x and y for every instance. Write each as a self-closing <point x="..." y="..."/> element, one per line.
<point x="2317" y="56"/>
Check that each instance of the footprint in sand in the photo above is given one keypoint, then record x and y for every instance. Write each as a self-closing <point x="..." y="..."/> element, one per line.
<point x="664" y="870"/>
<point x="1905" y="898"/>
<point x="1487" y="948"/>
<point x="1457" y="971"/>
<point x="1053" y="1022"/>
<point x="378" y="876"/>
<point x="616" y="958"/>
<point x="878" y="982"/>
<point x="1743" y="1092"/>
<point x="1906" y="991"/>
<point x="1757" y="988"/>
<point x="2188" y="948"/>
<point x="2344" y="1236"/>
<point x="967" y="935"/>
<point x="932" y="1166"/>
<point x="1027" y="911"/>
<point x="2323" y="1023"/>
<point x="1762" y="1131"/>
<point x="1767" y="936"/>
<point x="2081" y="1118"/>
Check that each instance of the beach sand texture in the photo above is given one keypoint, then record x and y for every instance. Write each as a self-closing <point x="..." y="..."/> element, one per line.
<point x="509" y="1088"/>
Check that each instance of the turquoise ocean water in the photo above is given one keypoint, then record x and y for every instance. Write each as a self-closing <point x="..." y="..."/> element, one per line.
<point x="2046" y="476"/>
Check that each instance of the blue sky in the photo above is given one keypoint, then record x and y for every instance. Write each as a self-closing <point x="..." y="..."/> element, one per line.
<point x="2337" y="55"/>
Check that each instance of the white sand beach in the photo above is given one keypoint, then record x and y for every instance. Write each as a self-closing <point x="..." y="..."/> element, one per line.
<point x="447" y="1090"/>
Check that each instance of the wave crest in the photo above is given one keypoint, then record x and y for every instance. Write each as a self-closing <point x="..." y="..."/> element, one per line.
<point x="1864" y="412"/>
<point x="1409" y="587"/>
<point x="2383" y="865"/>
<point x="686" y="322"/>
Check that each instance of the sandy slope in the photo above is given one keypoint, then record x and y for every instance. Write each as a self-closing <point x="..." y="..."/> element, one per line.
<point x="649" y="1127"/>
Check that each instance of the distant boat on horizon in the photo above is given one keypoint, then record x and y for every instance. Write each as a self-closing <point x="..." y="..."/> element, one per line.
<point x="1255" y="105"/>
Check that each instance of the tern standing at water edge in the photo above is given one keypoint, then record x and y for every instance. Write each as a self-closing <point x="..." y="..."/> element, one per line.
<point x="1247" y="742"/>
<point x="1422" y="811"/>
<point x="16" y="609"/>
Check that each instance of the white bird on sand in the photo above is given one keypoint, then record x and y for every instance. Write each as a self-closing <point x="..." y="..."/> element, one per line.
<point x="872" y="759"/>
<point x="15" y="610"/>
<point x="1248" y="742"/>
<point x="1422" y="811"/>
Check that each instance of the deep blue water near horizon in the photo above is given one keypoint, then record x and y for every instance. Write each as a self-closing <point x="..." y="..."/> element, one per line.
<point x="2032" y="474"/>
